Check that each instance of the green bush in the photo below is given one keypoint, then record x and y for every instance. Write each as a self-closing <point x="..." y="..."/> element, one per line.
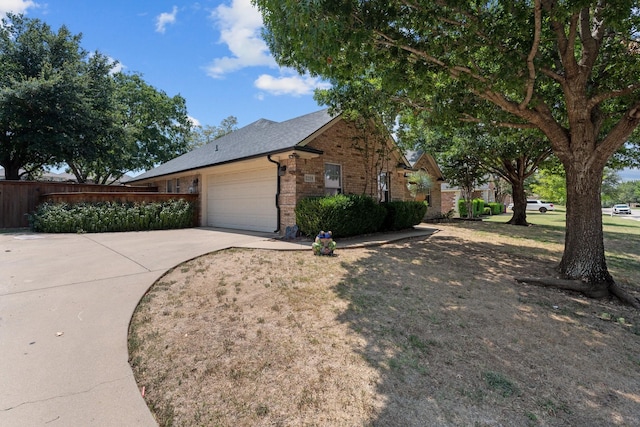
<point x="344" y="215"/>
<point x="111" y="216"/>
<point x="496" y="208"/>
<point x="478" y="207"/>
<point x="462" y="208"/>
<point x="401" y="215"/>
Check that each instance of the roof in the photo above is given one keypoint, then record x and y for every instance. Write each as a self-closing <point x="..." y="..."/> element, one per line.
<point x="415" y="156"/>
<point x="260" y="138"/>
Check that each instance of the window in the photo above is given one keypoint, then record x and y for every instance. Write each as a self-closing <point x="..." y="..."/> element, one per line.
<point x="332" y="179"/>
<point x="383" y="186"/>
<point x="177" y="185"/>
<point x="169" y="186"/>
<point x="427" y="196"/>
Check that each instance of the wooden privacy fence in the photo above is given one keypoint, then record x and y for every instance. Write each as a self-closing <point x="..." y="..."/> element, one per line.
<point x="20" y="198"/>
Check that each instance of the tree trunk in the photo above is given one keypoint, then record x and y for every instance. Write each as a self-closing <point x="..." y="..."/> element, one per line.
<point x="519" y="203"/>
<point x="584" y="257"/>
<point x="11" y="172"/>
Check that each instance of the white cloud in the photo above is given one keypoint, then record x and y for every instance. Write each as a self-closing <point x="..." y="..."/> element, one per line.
<point x="194" y="122"/>
<point x="165" y="19"/>
<point x="289" y="85"/>
<point x="15" y="6"/>
<point x="240" y="26"/>
<point x="118" y="67"/>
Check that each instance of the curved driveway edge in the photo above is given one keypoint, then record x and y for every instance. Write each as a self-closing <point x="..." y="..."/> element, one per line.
<point x="65" y="305"/>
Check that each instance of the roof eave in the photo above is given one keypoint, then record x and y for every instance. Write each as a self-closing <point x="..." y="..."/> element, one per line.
<point x="279" y="155"/>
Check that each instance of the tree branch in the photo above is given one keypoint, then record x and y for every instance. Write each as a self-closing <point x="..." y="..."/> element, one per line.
<point x="594" y="101"/>
<point x="537" y="12"/>
<point x="469" y="119"/>
<point x="620" y="132"/>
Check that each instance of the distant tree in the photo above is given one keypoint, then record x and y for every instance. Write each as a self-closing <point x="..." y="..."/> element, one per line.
<point x="419" y="182"/>
<point x="461" y="166"/>
<point x="513" y="155"/>
<point x="202" y="135"/>
<point x="610" y="183"/>
<point x="550" y="185"/>
<point x="51" y="107"/>
<point x="148" y="128"/>
<point x="628" y="192"/>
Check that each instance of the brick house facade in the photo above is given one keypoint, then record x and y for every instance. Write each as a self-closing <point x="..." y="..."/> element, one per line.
<point x="313" y="155"/>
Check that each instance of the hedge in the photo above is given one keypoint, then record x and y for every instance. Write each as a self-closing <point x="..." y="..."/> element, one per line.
<point x="111" y="216"/>
<point x="402" y="215"/>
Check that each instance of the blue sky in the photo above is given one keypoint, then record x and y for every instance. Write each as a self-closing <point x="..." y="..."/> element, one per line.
<point x="210" y="52"/>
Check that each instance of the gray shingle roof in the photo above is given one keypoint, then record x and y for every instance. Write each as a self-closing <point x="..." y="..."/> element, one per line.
<point x="260" y="138"/>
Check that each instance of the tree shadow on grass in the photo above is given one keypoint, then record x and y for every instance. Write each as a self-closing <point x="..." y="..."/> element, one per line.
<point x="456" y="342"/>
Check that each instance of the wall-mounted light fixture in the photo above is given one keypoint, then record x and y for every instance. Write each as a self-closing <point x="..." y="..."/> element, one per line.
<point x="282" y="170"/>
<point x="294" y="156"/>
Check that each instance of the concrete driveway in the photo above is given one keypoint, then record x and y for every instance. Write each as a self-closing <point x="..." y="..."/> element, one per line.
<point x="65" y="305"/>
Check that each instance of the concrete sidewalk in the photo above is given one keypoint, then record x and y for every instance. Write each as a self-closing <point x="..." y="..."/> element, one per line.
<point x="65" y="305"/>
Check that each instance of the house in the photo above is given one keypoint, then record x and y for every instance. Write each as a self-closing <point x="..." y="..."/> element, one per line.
<point x="252" y="178"/>
<point x="451" y="195"/>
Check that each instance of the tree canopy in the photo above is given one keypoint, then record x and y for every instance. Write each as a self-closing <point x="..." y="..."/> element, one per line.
<point x="51" y="97"/>
<point x="148" y="127"/>
<point x="568" y="68"/>
<point x="61" y="104"/>
<point x="202" y="135"/>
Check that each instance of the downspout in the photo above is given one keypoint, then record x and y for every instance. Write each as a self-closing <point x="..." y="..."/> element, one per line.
<point x="277" y="230"/>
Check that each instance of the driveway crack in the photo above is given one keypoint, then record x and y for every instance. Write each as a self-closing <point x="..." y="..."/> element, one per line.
<point x="116" y="252"/>
<point x="62" y="396"/>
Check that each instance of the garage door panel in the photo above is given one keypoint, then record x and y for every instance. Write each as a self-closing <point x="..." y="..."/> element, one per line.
<point x="243" y="200"/>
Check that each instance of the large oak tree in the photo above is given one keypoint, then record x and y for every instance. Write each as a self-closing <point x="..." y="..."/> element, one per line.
<point x="60" y="104"/>
<point x="51" y="100"/>
<point x="569" y="68"/>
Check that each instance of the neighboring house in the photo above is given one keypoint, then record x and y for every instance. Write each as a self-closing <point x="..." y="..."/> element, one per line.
<point x="252" y="178"/>
<point x="451" y="195"/>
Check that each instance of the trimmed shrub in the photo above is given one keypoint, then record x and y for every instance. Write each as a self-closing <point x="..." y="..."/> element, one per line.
<point x="496" y="208"/>
<point x="344" y="215"/>
<point x="478" y="207"/>
<point x="111" y="216"/>
<point x="462" y="208"/>
<point x="402" y="215"/>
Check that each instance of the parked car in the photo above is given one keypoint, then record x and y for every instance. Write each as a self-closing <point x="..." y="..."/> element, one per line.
<point x="536" y="205"/>
<point x="622" y="209"/>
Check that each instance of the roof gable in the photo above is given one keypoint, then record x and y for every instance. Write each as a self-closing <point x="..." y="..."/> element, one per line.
<point x="259" y="138"/>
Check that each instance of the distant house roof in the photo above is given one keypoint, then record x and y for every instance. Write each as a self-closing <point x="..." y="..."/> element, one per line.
<point x="258" y="139"/>
<point x="415" y="156"/>
<point x="46" y="176"/>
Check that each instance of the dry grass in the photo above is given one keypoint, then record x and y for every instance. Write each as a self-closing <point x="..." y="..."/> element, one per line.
<point x="420" y="333"/>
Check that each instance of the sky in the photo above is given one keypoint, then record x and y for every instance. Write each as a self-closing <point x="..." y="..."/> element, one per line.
<point x="209" y="52"/>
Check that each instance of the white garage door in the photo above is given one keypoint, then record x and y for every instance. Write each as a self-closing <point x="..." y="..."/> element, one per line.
<point x="243" y="200"/>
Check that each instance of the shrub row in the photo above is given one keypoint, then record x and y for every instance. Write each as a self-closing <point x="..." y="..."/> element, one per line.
<point x="111" y="216"/>
<point x="477" y="206"/>
<point x="352" y="215"/>
<point x="480" y="207"/>
<point x="496" y="208"/>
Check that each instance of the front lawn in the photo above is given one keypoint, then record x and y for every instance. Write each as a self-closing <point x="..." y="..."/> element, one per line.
<point x="418" y="333"/>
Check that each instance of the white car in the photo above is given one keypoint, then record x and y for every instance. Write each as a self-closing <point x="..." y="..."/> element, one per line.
<point x="621" y="209"/>
<point x="536" y="205"/>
